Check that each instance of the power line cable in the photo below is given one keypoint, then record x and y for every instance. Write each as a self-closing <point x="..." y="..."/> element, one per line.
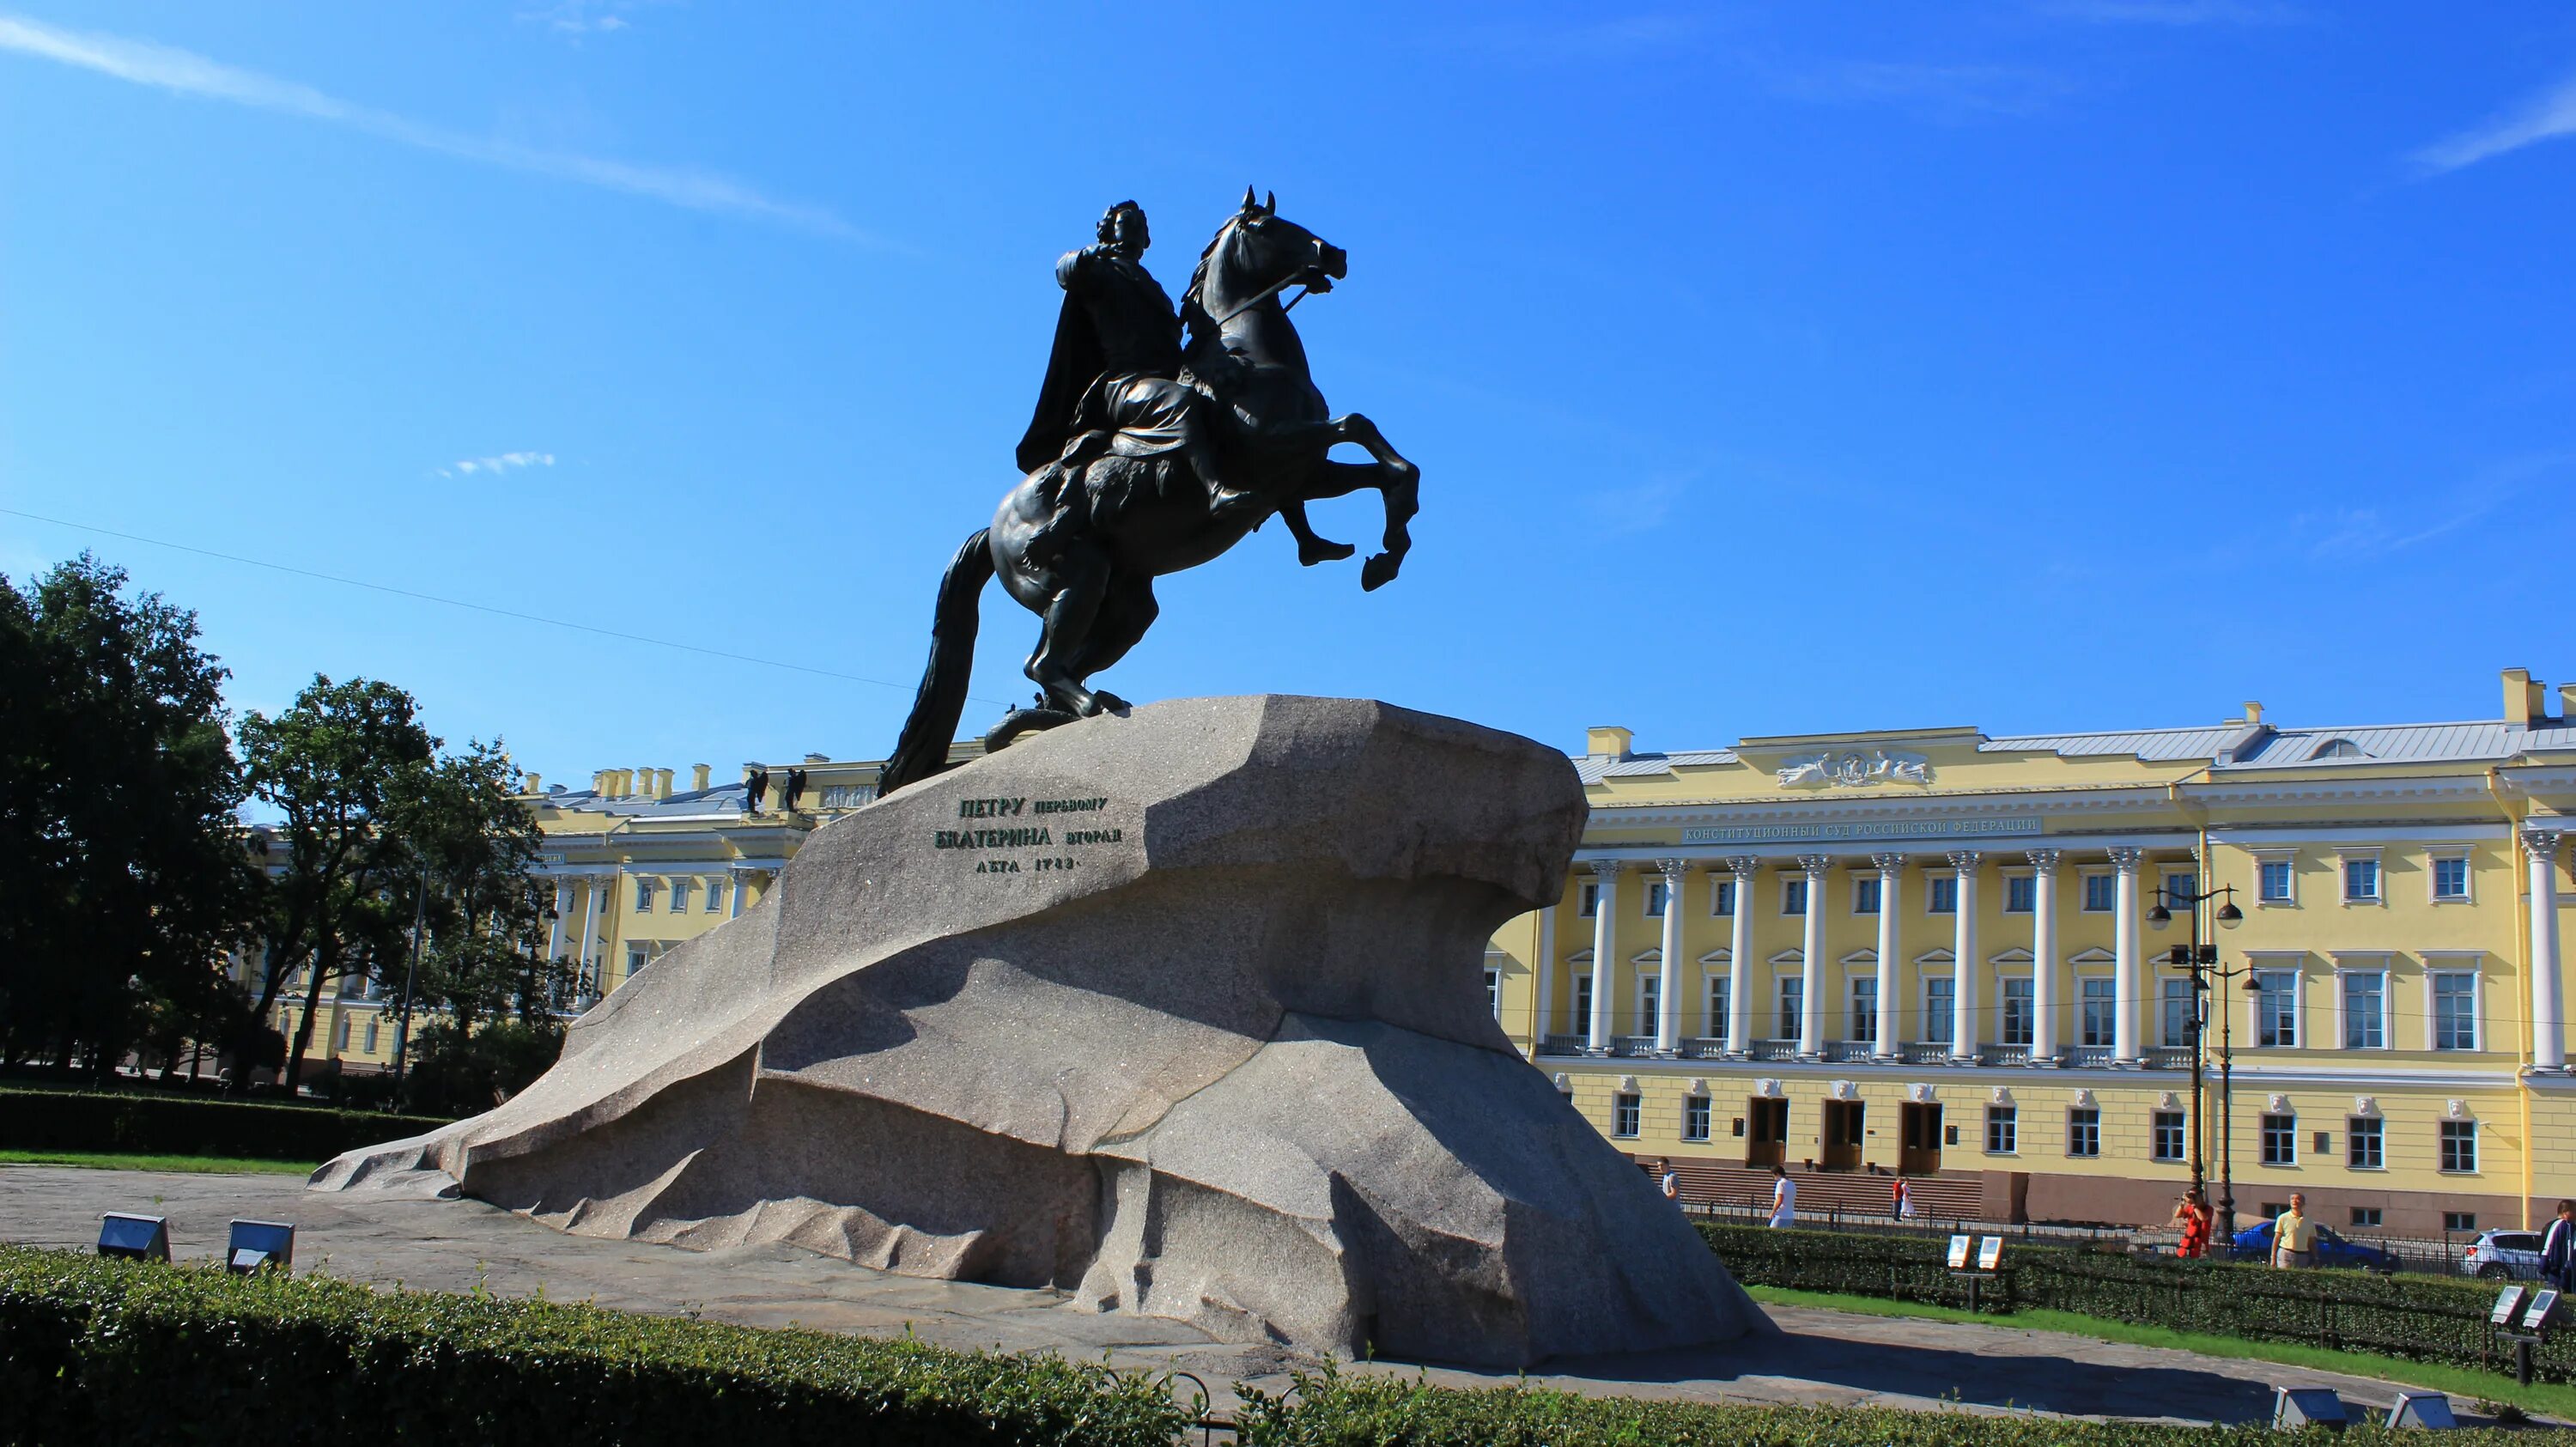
<point x="462" y="603"/>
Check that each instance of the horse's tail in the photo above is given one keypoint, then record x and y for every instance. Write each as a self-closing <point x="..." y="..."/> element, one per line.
<point x="922" y="750"/>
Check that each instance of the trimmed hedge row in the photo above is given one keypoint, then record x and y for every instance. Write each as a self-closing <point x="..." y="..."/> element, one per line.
<point x="2423" y="1318"/>
<point x="1326" y="1410"/>
<point x="70" y="1120"/>
<point x="110" y="1351"/>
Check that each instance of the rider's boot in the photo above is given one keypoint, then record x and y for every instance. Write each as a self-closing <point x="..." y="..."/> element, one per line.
<point x="1224" y="501"/>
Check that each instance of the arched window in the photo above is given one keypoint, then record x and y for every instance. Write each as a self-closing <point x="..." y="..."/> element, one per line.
<point x="2337" y="749"/>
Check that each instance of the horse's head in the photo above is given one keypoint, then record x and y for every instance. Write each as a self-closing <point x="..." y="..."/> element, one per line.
<point x="1256" y="255"/>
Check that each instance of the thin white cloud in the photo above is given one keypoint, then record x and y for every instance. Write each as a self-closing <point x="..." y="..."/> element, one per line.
<point x="165" y="68"/>
<point x="2362" y="534"/>
<point x="2546" y="117"/>
<point x="578" y="18"/>
<point x="2177" y="12"/>
<point x="1951" y="91"/>
<point x="496" y="465"/>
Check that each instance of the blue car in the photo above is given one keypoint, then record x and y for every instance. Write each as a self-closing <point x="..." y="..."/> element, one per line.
<point x="2254" y="1243"/>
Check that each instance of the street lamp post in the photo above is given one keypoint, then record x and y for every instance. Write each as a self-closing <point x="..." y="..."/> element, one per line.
<point x="2200" y="957"/>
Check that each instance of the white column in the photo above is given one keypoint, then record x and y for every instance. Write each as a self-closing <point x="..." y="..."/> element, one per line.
<point x="1811" y="972"/>
<point x="1969" y="971"/>
<point x="2125" y="968"/>
<point x="1891" y="885"/>
<point x="1605" y="946"/>
<point x="1542" y="1010"/>
<point x="1739" y="955"/>
<point x="1668" y="993"/>
<point x="2548" y="1002"/>
<point x="554" y="927"/>
<point x="587" y="975"/>
<point x="2043" y="954"/>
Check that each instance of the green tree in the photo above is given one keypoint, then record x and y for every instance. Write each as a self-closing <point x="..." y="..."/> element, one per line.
<point x="344" y="764"/>
<point x="122" y="846"/>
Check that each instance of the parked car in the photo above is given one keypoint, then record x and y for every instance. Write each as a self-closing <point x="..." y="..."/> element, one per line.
<point x="2254" y="1243"/>
<point x="2503" y="1255"/>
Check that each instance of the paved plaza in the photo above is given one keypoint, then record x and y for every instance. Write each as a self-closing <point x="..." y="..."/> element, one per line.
<point x="1821" y="1356"/>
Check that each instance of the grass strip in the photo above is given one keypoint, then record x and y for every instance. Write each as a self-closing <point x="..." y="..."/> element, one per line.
<point x="2555" y="1399"/>
<point x="193" y="1165"/>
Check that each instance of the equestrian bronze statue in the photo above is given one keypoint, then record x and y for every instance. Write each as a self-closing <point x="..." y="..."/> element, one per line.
<point x="1150" y="453"/>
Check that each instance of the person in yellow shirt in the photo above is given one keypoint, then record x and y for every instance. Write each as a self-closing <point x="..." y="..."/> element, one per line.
<point x="2294" y="1236"/>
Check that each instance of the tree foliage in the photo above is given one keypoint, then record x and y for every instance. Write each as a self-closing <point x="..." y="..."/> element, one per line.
<point x="118" y="833"/>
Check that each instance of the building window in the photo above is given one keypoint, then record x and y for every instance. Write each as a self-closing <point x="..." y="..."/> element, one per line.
<point x="1717" y="1009"/>
<point x="1864" y="1009"/>
<point x="2459" y="1220"/>
<point x="372" y="1025"/>
<point x="2361" y="881"/>
<point x="2019" y="1013"/>
<point x="2021" y="894"/>
<point x="2272" y="881"/>
<point x="1587" y="898"/>
<point x="2180" y="890"/>
<point x="2365" y="1006"/>
<point x="1494" y="993"/>
<point x="2101" y="894"/>
<point x="2366" y="1217"/>
<point x="1940" y="1010"/>
<point x="2460" y="1146"/>
<point x="1793" y="895"/>
<point x="2276" y="1008"/>
<point x="680" y="895"/>
<point x="342" y="1040"/>
<point x="1583" y="1001"/>
<point x="1695" y="1118"/>
<point x="2280" y="1140"/>
<point x="715" y="896"/>
<point x="2364" y="1144"/>
<point x="2455" y="1011"/>
<point x="2167" y="1128"/>
<point x="2178" y="1013"/>
<point x="644" y="891"/>
<point x="1943" y="895"/>
<point x="1793" y="1002"/>
<point x="1658" y="894"/>
<point x="1721" y="897"/>
<point x="1650" y="1003"/>
<point x="2084" y="1131"/>
<point x="2451" y="877"/>
<point x="2003" y="1130"/>
<point x="636" y="960"/>
<point x="1623" y="1115"/>
<point x="1865" y="894"/>
<point x="2100" y="1011"/>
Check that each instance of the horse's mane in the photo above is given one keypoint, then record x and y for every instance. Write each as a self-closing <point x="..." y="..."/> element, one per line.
<point x="1193" y="303"/>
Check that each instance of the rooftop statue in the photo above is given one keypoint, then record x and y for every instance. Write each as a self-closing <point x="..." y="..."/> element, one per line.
<point x="1149" y="454"/>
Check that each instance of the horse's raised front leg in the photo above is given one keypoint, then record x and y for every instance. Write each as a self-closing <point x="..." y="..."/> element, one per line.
<point x="1399" y="481"/>
<point x="1081" y="575"/>
<point x="1310" y="548"/>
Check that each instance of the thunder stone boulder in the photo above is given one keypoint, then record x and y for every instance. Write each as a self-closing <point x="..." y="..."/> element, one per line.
<point x="1180" y="1013"/>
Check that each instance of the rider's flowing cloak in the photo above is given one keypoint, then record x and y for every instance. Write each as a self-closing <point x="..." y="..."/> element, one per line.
<point x="1073" y="364"/>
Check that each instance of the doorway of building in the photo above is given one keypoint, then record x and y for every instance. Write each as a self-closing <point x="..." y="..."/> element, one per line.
<point x="1842" y="1135"/>
<point x="1766" y="1132"/>
<point x="1919" y="1147"/>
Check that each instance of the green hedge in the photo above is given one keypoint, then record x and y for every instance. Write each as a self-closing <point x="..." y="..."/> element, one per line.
<point x="111" y="1351"/>
<point x="2425" y="1318"/>
<point x="178" y="1125"/>
<point x="1326" y="1410"/>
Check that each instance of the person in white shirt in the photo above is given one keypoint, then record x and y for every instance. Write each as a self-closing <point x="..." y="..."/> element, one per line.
<point x="1784" y="1198"/>
<point x="2558" y="1249"/>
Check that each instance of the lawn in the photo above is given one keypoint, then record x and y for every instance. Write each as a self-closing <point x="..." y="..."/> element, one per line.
<point x="2469" y="1387"/>
<point x="207" y="1165"/>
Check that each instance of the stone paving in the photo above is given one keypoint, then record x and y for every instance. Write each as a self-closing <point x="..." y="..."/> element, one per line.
<point x="1819" y="1357"/>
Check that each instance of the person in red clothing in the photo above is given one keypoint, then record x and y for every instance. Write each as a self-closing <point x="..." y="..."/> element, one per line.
<point x="2194" y="1217"/>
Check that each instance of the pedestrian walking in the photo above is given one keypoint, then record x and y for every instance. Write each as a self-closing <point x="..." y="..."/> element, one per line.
<point x="2294" y="1236"/>
<point x="1671" y="1181"/>
<point x="2558" y="1249"/>
<point x="1784" y="1198"/>
<point x="1900" y="1204"/>
<point x="2194" y="1217"/>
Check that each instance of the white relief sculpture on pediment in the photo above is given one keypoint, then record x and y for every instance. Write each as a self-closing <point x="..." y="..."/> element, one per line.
<point x="1853" y="769"/>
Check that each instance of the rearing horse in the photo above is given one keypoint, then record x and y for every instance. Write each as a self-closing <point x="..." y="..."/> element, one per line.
<point x="1095" y="592"/>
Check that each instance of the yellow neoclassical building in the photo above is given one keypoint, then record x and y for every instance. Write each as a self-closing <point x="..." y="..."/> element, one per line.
<point x="1940" y="954"/>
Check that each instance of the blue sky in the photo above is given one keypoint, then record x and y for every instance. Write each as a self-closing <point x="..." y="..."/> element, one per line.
<point x="2033" y="364"/>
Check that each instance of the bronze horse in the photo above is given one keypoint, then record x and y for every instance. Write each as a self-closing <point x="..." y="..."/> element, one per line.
<point x="1096" y="594"/>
